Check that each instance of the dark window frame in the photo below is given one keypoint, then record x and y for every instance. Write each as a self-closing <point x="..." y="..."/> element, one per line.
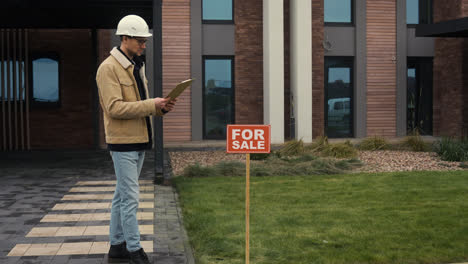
<point x="422" y="9"/>
<point x="218" y="21"/>
<point x="342" y="24"/>
<point x="347" y="61"/>
<point x="49" y="55"/>
<point x="233" y="86"/>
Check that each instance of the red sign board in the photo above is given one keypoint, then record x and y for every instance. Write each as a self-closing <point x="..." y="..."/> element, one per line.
<point x="248" y="139"/>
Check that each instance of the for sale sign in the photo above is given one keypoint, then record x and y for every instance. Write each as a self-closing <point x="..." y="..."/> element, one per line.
<point x="248" y="139"/>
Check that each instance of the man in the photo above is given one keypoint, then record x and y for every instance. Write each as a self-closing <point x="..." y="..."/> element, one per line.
<point x="123" y="95"/>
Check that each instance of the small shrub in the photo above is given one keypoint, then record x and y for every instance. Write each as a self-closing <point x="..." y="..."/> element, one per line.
<point x="414" y="142"/>
<point x="451" y="149"/>
<point x="340" y="150"/>
<point x="291" y="148"/>
<point x="374" y="143"/>
<point x="318" y="145"/>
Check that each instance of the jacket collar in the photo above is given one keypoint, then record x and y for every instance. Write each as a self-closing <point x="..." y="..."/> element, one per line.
<point x="121" y="58"/>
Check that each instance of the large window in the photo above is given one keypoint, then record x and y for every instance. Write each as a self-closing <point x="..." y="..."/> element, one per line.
<point x="217" y="11"/>
<point x="45" y="80"/>
<point x="419" y="95"/>
<point x="418" y="12"/>
<point x="218" y="96"/>
<point x="338" y="11"/>
<point x="339" y="97"/>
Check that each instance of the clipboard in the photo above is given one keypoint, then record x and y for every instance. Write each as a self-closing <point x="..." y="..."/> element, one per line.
<point x="179" y="88"/>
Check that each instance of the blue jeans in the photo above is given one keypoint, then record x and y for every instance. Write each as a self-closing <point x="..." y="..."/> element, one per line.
<point x="124" y="223"/>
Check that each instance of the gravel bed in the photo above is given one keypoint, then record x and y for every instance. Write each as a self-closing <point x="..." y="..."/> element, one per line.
<point x="381" y="161"/>
<point x="375" y="161"/>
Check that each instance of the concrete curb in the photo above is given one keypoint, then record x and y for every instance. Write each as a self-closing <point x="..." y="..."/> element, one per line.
<point x="188" y="247"/>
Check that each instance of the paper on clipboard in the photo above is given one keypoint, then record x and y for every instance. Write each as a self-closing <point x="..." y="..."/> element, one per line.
<point x="179" y="88"/>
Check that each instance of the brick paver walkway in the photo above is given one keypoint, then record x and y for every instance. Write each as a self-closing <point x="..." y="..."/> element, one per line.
<point x="55" y="208"/>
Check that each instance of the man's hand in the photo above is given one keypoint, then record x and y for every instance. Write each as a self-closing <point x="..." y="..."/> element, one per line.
<point x="160" y="102"/>
<point x="170" y="105"/>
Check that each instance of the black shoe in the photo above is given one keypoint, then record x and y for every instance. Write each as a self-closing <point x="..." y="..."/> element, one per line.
<point x="139" y="257"/>
<point x="118" y="252"/>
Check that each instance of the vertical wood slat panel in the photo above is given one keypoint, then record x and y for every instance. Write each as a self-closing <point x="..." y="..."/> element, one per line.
<point x="12" y="46"/>
<point x="20" y="59"/>
<point x="15" y="104"/>
<point x="26" y="81"/>
<point x="2" y="74"/>
<point x="176" y="67"/>
<point x="10" y="142"/>
<point x="381" y="68"/>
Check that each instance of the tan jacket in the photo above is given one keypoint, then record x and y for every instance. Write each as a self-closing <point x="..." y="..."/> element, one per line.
<point x="124" y="111"/>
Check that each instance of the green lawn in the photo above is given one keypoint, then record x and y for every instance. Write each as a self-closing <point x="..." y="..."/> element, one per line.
<point x="401" y="217"/>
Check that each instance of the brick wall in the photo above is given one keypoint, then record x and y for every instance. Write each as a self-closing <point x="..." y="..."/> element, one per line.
<point x="318" y="100"/>
<point x="70" y="126"/>
<point x="249" y="64"/>
<point x="248" y="73"/>
<point x="450" y="74"/>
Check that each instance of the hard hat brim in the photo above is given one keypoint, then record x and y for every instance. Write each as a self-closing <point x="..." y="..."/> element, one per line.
<point x="135" y="35"/>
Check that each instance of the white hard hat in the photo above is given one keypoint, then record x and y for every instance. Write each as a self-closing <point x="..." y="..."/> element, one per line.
<point x="134" y="26"/>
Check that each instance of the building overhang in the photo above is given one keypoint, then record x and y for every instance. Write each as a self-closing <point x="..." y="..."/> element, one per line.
<point x="456" y="28"/>
<point x="99" y="14"/>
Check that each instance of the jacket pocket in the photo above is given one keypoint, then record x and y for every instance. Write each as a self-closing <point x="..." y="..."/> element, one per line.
<point x="128" y="90"/>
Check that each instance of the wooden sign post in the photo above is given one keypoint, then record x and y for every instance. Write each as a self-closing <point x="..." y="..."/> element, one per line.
<point x="248" y="139"/>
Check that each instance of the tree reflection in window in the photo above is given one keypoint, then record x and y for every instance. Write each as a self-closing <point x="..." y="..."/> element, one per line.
<point x="338" y="97"/>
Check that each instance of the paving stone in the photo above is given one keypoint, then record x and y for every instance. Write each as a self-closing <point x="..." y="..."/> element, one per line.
<point x="35" y="182"/>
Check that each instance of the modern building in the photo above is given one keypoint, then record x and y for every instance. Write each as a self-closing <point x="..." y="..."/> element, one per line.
<point x="340" y="68"/>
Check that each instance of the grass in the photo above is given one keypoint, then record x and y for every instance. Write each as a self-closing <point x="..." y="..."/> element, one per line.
<point x="401" y="217"/>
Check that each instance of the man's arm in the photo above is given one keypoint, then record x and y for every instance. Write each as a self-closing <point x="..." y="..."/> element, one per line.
<point x="111" y="94"/>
